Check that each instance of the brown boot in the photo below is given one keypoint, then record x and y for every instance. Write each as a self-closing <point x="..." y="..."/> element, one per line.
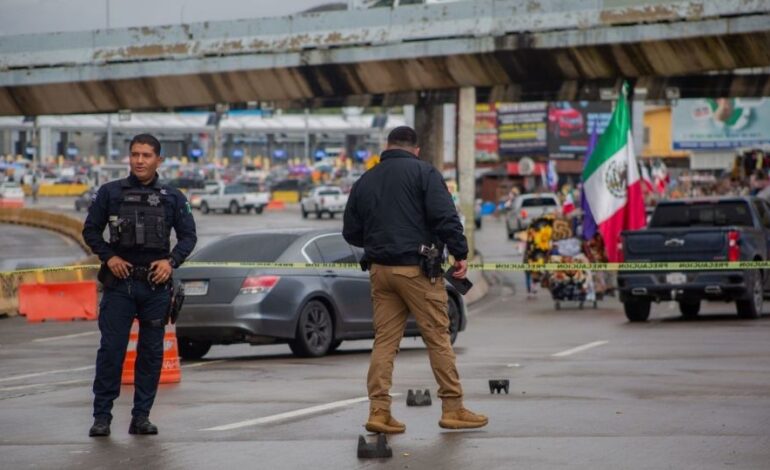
<point x="381" y="421"/>
<point x="462" y="419"/>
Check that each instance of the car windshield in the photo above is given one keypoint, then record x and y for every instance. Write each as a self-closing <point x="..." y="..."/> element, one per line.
<point x="538" y="201"/>
<point x="702" y="214"/>
<point x="249" y="248"/>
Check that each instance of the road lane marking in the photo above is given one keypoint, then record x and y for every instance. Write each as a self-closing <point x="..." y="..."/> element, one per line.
<point x="201" y="364"/>
<point x="578" y="349"/>
<point x="291" y="414"/>
<point x="23" y="387"/>
<point x="48" y="372"/>
<point x="56" y="338"/>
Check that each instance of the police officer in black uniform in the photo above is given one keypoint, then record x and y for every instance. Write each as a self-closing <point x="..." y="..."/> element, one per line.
<point x="137" y="264"/>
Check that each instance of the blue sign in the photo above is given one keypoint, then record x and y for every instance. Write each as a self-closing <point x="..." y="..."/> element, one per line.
<point x="320" y="154"/>
<point x="362" y="154"/>
<point x="72" y="151"/>
<point x="279" y="153"/>
<point x="196" y="153"/>
<point x="237" y="153"/>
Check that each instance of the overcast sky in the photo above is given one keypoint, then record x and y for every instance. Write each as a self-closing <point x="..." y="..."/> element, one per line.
<point x="45" y="16"/>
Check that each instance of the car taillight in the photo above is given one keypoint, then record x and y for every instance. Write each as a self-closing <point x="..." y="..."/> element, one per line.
<point x="523" y="214"/>
<point x="259" y="284"/>
<point x="733" y="246"/>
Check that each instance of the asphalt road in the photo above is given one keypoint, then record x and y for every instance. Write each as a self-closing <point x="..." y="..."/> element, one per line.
<point x="588" y="390"/>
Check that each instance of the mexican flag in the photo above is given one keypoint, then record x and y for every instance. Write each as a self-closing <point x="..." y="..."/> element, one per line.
<point x="611" y="181"/>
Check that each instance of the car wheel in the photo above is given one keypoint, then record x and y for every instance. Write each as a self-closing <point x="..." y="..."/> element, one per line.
<point x="331" y="215"/>
<point x="318" y="213"/>
<point x="204" y="208"/>
<point x="454" y="319"/>
<point x="637" y="310"/>
<point x="478" y="224"/>
<point x="752" y="307"/>
<point x="304" y="212"/>
<point x="335" y="345"/>
<point x="192" y="349"/>
<point x="259" y="209"/>
<point x="315" y="331"/>
<point x="233" y="208"/>
<point x="689" y="309"/>
<point x="508" y="229"/>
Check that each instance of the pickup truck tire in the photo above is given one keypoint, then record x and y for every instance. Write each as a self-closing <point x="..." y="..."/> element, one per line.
<point x="331" y="215"/>
<point x="637" y="310"/>
<point x="318" y="213"/>
<point x="689" y="309"/>
<point x="508" y="230"/>
<point x="258" y="209"/>
<point x="304" y="213"/>
<point x="204" y="207"/>
<point x="752" y="306"/>
<point x="233" y="208"/>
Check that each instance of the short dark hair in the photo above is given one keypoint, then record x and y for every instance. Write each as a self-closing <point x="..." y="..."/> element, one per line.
<point x="403" y="136"/>
<point x="147" y="139"/>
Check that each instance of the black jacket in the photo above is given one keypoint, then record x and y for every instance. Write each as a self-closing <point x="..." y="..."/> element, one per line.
<point x="399" y="205"/>
<point x="107" y="203"/>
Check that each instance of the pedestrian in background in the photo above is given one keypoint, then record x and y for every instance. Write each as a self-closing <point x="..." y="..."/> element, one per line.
<point x="136" y="273"/>
<point x="395" y="208"/>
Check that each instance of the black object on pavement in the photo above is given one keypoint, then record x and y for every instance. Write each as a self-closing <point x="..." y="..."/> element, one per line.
<point x="377" y="450"/>
<point x="418" y="398"/>
<point x="498" y="386"/>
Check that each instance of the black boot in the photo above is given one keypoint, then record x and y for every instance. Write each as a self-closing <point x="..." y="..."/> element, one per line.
<point x="100" y="428"/>
<point x="142" y="425"/>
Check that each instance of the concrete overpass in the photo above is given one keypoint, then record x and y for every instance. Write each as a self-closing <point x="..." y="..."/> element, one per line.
<point x="507" y="49"/>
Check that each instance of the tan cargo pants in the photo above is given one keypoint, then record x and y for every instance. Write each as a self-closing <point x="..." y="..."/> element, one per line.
<point x="397" y="291"/>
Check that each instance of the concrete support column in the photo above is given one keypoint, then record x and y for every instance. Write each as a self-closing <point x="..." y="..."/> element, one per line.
<point x="45" y="149"/>
<point x="429" y="125"/>
<point x="466" y="162"/>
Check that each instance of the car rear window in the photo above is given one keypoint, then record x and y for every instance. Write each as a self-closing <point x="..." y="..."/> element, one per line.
<point x="702" y="214"/>
<point x="330" y="192"/>
<point x="538" y="201"/>
<point x="254" y="248"/>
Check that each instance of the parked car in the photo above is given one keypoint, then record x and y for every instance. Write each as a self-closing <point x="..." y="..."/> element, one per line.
<point x="195" y="196"/>
<point x="722" y="229"/>
<point x="313" y="310"/>
<point x="233" y="199"/>
<point x="83" y="202"/>
<point x="324" y="200"/>
<point x="11" y="194"/>
<point x="527" y="207"/>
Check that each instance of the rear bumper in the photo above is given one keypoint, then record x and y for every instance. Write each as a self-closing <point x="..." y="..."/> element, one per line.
<point x="707" y="285"/>
<point x="242" y="321"/>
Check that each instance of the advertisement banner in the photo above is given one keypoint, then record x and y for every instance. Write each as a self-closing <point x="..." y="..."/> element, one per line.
<point x="721" y="123"/>
<point x="486" y="133"/>
<point x="571" y="123"/>
<point x="522" y="128"/>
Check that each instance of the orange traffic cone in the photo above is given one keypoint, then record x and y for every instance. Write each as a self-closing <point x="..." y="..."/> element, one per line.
<point x="170" y="371"/>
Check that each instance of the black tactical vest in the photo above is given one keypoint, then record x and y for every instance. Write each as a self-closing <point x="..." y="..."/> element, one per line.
<point x="141" y="221"/>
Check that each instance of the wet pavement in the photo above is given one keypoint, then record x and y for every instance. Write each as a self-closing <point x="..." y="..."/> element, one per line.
<point x="588" y="390"/>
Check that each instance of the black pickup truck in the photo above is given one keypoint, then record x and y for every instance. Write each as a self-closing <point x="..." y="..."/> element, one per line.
<point x="721" y="229"/>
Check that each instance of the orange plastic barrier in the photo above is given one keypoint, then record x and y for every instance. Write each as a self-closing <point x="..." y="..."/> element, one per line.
<point x="12" y="203"/>
<point x="170" y="372"/>
<point x="62" y="301"/>
<point x="276" y="206"/>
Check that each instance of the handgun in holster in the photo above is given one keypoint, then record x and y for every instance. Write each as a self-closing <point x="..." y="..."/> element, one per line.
<point x="177" y="299"/>
<point x="430" y="261"/>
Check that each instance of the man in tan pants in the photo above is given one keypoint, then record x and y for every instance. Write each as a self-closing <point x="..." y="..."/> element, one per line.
<point x="399" y="205"/>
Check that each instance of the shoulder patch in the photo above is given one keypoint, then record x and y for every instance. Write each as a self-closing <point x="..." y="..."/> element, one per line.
<point x="188" y="208"/>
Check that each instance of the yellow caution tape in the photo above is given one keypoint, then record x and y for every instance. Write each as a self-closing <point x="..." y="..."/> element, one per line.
<point x="502" y="267"/>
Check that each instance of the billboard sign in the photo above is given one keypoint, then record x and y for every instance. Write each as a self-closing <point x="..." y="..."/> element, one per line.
<point x="722" y="123"/>
<point x="522" y="128"/>
<point x="486" y="133"/>
<point x="571" y="123"/>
